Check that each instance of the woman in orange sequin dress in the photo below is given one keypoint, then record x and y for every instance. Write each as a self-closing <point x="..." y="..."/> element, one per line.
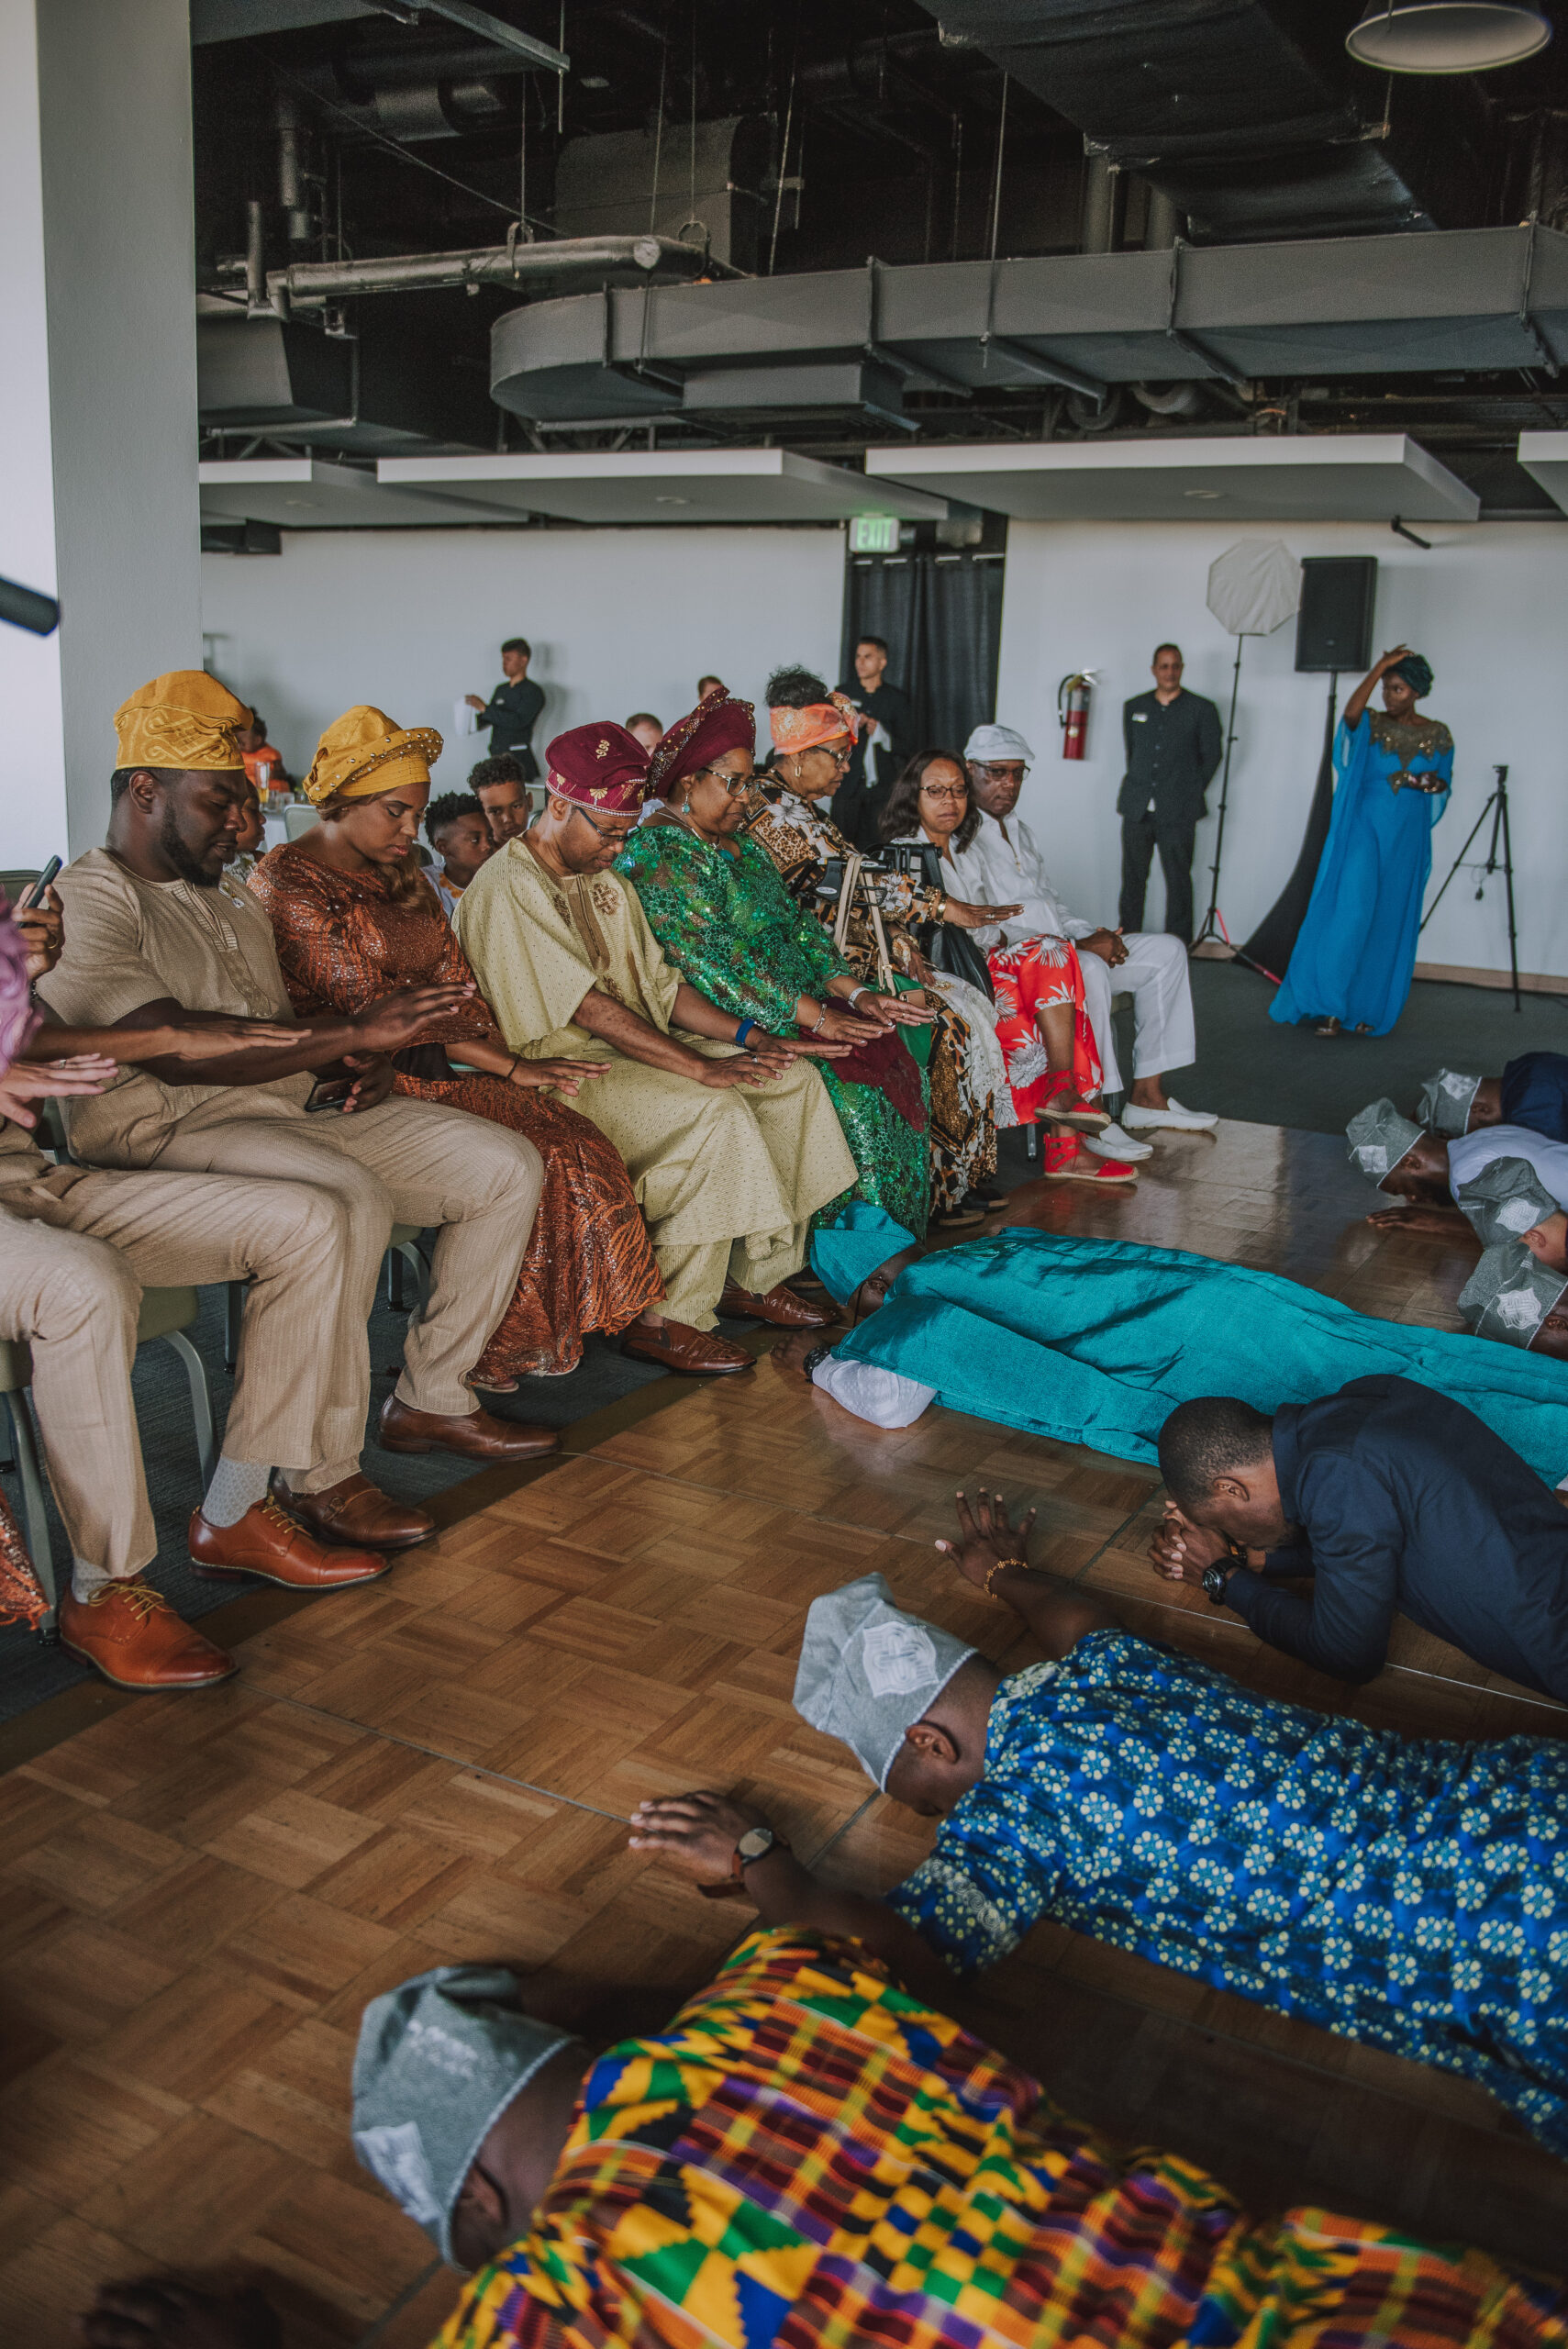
<point x="354" y="918"/>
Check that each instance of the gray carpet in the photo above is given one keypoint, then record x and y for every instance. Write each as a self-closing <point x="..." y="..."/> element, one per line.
<point x="1248" y="1066"/>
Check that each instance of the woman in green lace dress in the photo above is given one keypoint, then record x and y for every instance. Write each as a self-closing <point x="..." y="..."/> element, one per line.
<point x="724" y="919"/>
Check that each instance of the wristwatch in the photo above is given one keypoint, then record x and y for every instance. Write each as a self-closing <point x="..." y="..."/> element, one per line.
<point x="755" y="1844"/>
<point x="810" y="1360"/>
<point x="1215" y="1578"/>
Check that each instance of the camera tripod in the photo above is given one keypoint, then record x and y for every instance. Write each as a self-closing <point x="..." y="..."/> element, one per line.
<point x="1497" y="808"/>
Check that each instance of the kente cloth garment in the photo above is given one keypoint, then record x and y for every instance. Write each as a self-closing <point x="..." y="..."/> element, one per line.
<point x="1029" y="979"/>
<point x="732" y="929"/>
<point x="808" y="2158"/>
<point x="1355" y="956"/>
<point x="343" y="940"/>
<point x="1411" y="1893"/>
<point x="705" y="1167"/>
<point x="1096" y="1341"/>
<point x="970" y="1094"/>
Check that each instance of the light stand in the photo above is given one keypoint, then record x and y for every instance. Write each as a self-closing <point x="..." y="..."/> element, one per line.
<point x="1213" y="925"/>
<point x="1497" y="808"/>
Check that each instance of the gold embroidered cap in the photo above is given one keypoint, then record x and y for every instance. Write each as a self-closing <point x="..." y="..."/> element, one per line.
<point x="183" y="719"/>
<point x="365" y="753"/>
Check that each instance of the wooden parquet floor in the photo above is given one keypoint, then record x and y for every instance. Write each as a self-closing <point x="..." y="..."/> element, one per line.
<point x="198" y="1895"/>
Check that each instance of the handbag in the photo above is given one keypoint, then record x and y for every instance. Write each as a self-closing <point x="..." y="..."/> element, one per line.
<point x="918" y="1040"/>
<point x="945" y="947"/>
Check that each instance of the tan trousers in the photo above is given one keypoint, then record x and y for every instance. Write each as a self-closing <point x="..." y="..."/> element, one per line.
<point x="407" y="1162"/>
<point x="76" y="1250"/>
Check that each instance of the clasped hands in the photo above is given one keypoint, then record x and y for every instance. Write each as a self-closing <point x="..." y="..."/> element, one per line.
<point x="1181" y="1552"/>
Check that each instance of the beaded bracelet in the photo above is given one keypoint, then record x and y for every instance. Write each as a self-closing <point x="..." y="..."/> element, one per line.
<point x="996" y="1569"/>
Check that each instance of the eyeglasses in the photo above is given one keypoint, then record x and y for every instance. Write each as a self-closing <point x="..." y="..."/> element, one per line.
<point x="955" y="793"/>
<point x="736" y="786"/>
<point x="1002" y="773"/>
<point x="604" y="832"/>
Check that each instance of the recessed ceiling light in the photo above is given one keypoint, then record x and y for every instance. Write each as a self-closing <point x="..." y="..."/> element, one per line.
<point x="667" y="500"/>
<point x="593" y="82"/>
<point x="299" y="501"/>
<point x="1203" y="492"/>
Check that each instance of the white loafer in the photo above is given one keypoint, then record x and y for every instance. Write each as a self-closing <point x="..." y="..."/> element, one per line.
<point x="1114" y="1143"/>
<point x="1138" y="1120"/>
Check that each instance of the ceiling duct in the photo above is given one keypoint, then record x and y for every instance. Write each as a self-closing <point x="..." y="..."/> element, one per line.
<point x="1238" y="111"/>
<point x="1460" y="300"/>
<point x="708" y="185"/>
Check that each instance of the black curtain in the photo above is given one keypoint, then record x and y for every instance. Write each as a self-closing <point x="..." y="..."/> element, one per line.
<point x="1271" y="943"/>
<point x="941" y="616"/>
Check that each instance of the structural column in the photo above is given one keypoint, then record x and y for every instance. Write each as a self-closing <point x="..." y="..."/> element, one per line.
<point x="97" y="393"/>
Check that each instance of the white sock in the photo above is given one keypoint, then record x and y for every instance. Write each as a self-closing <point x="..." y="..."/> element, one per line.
<point x="237" y="1486"/>
<point x="86" y="1578"/>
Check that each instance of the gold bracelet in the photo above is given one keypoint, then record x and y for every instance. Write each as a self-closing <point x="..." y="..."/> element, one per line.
<point x="996" y="1569"/>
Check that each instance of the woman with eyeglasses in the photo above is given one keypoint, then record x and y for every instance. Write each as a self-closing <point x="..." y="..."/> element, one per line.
<point x="726" y="921"/>
<point x="1053" y="1070"/>
<point x="969" y="1097"/>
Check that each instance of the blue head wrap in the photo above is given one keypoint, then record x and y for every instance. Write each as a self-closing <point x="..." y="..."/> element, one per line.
<point x="1416" y="672"/>
<point x="848" y="1251"/>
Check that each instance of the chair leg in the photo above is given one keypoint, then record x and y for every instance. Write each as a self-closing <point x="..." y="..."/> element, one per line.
<point x="406" y="1256"/>
<point x="1031" y="1139"/>
<point x="34" y="1521"/>
<point x="201" y="1401"/>
<point x="233" y="1311"/>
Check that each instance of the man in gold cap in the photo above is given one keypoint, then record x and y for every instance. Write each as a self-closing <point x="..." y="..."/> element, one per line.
<point x="154" y="933"/>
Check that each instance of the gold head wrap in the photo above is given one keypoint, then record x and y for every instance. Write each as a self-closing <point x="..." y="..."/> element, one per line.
<point x="363" y="753"/>
<point x="184" y="718"/>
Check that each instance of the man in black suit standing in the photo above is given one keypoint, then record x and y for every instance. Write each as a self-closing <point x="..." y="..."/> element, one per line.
<point x="1174" y="745"/>
<point x="882" y="749"/>
<point x="512" y="711"/>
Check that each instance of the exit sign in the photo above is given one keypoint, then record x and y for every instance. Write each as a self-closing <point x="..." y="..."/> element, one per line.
<point x="873" y="534"/>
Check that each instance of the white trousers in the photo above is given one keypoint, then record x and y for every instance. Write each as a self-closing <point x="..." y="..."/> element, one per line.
<point x="1155" y="974"/>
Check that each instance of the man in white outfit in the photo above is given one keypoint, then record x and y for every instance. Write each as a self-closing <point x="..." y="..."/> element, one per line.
<point x="1147" y="964"/>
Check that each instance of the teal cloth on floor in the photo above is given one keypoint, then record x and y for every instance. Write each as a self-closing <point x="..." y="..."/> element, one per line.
<point x="864" y="1237"/>
<point x="1095" y="1342"/>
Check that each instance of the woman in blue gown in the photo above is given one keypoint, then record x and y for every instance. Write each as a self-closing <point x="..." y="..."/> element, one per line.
<point x="1356" y="953"/>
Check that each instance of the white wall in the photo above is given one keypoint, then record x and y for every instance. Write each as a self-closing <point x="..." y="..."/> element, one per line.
<point x="410" y="621"/>
<point x="97" y="393"/>
<point x="1484" y="606"/>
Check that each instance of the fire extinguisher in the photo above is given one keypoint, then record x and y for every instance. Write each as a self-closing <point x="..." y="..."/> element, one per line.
<point x="1072" y="712"/>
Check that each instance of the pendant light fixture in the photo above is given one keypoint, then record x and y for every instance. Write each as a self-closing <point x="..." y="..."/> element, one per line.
<point x="1447" y="35"/>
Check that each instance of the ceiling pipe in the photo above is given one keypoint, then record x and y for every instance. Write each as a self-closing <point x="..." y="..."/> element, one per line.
<point x="305" y="285"/>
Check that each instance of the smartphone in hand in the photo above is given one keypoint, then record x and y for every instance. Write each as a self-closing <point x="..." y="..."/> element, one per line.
<point x="36" y="890"/>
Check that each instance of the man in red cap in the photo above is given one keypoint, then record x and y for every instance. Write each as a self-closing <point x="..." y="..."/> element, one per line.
<point x="727" y="1134"/>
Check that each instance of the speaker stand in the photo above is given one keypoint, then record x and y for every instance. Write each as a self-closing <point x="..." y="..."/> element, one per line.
<point x="1497" y="808"/>
<point x="1213" y="921"/>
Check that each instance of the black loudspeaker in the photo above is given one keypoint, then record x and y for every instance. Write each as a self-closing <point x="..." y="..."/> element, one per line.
<point x="1333" y="627"/>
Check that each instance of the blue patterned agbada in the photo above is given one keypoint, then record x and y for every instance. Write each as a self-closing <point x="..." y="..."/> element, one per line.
<point x="1409" y="1892"/>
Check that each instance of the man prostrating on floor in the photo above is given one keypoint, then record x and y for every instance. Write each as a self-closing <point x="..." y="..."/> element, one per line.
<point x="1397" y="1892"/>
<point x="155" y="937"/>
<point x="1439" y="1180"/>
<point x="1396" y="1500"/>
<point x="1148" y="964"/>
<point x="727" y="1133"/>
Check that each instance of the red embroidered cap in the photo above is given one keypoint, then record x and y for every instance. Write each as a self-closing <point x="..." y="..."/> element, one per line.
<point x="601" y="766"/>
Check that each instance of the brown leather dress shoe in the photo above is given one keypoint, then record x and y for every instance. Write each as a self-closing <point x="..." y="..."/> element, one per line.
<point x="269" y="1544"/>
<point x="690" y="1354"/>
<point x="359" y="1515"/>
<point x="780" y="1307"/>
<point x="135" y="1639"/>
<point x="473" y="1435"/>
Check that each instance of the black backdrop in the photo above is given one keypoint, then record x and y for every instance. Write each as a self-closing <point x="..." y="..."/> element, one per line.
<point x="941" y="615"/>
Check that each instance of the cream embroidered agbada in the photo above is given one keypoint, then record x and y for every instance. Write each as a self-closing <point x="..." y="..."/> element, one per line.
<point x="729" y="1182"/>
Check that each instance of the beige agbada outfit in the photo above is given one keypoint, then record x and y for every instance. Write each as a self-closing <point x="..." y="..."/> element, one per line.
<point x="729" y="1182"/>
<point x="129" y="942"/>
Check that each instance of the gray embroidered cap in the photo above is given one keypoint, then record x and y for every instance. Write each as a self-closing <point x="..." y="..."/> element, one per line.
<point x="867" y="1671"/>
<point x="1444" y="1104"/>
<point x="1506" y="1199"/>
<point x="1379" y="1138"/>
<point x="1510" y="1294"/>
<point x="438" y="2061"/>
